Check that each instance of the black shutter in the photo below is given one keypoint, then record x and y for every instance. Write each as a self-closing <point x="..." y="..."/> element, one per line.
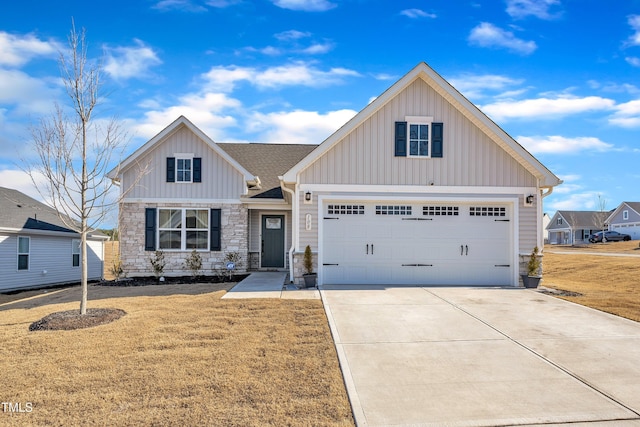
<point x="437" y="138"/>
<point x="171" y="169"/>
<point x="215" y="230"/>
<point x="197" y="169"/>
<point x="150" y="229"/>
<point x="401" y="139"/>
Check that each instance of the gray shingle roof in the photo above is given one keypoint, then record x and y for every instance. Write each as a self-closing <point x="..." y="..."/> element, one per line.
<point x="634" y="205"/>
<point x="582" y="219"/>
<point x="267" y="161"/>
<point x="17" y="210"/>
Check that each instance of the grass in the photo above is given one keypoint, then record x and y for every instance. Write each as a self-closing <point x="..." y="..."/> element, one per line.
<point x="173" y="359"/>
<point x="607" y="283"/>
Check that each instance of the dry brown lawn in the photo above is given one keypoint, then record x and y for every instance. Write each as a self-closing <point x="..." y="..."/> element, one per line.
<point x="607" y="283"/>
<point x="180" y="356"/>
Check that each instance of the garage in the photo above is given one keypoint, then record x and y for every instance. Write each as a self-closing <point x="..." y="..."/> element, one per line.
<point x="413" y="243"/>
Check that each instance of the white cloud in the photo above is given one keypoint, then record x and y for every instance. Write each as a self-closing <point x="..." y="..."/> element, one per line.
<point x="574" y="202"/>
<point x="317" y="48"/>
<point x="561" y="145"/>
<point x="305" y="5"/>
<point x="130" y="62"/>
<point x="488" y="35"/>
<point x="539" y="8"/>
<point x="417" y="13"/>
<point x="221" y="4"/>
<point x="16" y="51"/>
<point x="634" y="23"/>
<point x="298" y="127"/>
<point x="291" y="35"/>
<point x="633" y="60"/>
<point x="296" y="74"/>
<point x="476" y="86"/>
<point x="546" y="107"/>
<point x="181" y="5"/>
<point x="27" y="94"/>
<point x="627" y="114"/>
<point x="18" y="179"/>
<point x="384" y="76"/>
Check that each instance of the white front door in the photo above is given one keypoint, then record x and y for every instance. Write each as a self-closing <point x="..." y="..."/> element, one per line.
<point x="417" y="243"/>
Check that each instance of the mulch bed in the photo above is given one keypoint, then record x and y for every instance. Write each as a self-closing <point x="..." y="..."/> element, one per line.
<point x="180" y="280"/>
<point x="72" y="319"/>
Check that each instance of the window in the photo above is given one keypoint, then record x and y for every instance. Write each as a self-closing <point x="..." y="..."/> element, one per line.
<point x="183" y="229"/>
<point x="24" y="244"/>
<point x="75" y="253"/>
<point x="393" y="210"/>
<point x="345" y="209"/>
<point x="625" y="215"/>
<point x="418" y="140"/>
<point x="487" y="211"/>
<point x="183" y="170"/>
<point x="559" y="221"/>
<point x="440" y="210"/>
<point x="419" y="137"/>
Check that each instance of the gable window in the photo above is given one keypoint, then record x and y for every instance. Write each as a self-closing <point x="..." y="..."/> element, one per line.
<point x="559" y="221"/>
<point x="625" y="215"/>
<point x="75" y="253"/>
<point x="24" y="244"/>
<point x="184" y="168"/>
<point x="183" y="229"/>
<point x="418" y="137"/>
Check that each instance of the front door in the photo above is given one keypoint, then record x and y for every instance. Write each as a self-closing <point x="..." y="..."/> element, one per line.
<point x="273" y="241"/>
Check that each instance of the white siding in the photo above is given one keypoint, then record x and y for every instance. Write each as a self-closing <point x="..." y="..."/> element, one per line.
<point x="366" y="155"/>
<point x="220" y="180"/>
<point x="47" y="253"/>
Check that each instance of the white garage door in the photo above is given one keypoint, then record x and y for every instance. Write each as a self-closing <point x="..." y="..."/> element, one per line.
<point x="417" y="243"/>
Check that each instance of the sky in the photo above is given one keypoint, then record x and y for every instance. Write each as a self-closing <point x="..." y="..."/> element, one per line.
<point x="562" y="77"/>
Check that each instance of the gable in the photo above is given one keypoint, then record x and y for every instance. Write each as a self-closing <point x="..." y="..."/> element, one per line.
<point x="633" y="213"/>
<point x="151" y="170"/>
<point x="367" y="154"/>
<point x="422" y="92"/>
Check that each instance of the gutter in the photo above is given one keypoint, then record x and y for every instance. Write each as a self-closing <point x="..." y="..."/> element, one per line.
<point x="294" y="231"/>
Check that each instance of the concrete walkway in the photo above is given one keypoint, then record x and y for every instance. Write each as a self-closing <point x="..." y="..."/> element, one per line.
<point x="482" y="357"/>
<point x="268" y="284"/>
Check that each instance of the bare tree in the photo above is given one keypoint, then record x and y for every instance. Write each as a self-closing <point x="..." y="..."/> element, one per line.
<point x="74" y="151"/>
<point x="601" y="216"/>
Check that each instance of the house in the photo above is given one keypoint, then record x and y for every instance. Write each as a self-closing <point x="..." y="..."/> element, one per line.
<point x="546" y="220"/>
<point x="36" y="247"/>
<point x="575" y="227"/>
<point x="626" y="219"/>
<point x="420" y="187"/>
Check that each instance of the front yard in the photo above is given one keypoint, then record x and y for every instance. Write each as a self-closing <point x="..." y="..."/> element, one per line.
<point x="607" y="283"/>
<point x="173" y="359"/>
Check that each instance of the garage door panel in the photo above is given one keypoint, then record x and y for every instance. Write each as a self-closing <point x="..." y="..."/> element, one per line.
<point x="452" y="244"/>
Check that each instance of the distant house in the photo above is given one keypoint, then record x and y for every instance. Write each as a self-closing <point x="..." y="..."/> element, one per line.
<point x="575" y="227"/>
<point x="37" y="248"/>
<point x="546" y="220"/>
<point x="419" y="188"/>
<point x="626" y="219"/>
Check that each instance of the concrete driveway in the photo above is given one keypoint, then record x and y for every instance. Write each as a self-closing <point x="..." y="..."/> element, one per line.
<point x="482" y="357"/>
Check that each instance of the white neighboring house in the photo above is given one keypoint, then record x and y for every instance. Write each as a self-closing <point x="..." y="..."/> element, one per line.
<point x="546" y="220"/>
<point x="419" y="188"/>
<point x="36" y="247"/>
<point x="625" y="219"/>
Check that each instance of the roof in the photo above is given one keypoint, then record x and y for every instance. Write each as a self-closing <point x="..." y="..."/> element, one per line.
<point x="469" y="110"/>
<point x="633" y="205"/>
<point x="267" y="162"/>
<point x="19" y="211"/>
<point x="580" y="219"/>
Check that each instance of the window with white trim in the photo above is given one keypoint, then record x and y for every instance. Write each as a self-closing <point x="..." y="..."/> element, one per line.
<point x="24" y="248"/>
<point x="625" y="215"/>
<point x="440" y="210"/>
<point x="559" y="221"/>
<point x="345" y="209"/>
<point x="487" y="211"/>
<point x="183" y="229"/>
<point x="75" y="253"/>
<point x="183" y="170"/>
<point x="418" y="138"/>
<point x="393" y="210"/>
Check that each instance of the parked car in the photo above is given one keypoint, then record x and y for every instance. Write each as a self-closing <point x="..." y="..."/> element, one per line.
<point x="611" y="236"/>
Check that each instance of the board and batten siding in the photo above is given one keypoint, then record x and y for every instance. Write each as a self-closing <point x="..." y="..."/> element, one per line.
<point x="52" y="254"/>
<point x="220" y="180"/>
<point x="366" y="155"/>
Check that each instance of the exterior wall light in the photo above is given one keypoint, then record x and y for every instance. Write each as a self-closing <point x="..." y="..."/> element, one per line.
<point x="307" y="196"/>
<point x="530" y="199"/>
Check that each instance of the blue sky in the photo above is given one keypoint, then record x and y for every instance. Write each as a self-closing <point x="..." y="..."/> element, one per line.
<point x="560" y="76"/>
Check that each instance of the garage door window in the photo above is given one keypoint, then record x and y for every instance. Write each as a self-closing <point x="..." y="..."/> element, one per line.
<point x="393" y="210"/>
<point x="487" y="211"/>
<point x="345" y="209"/>
<point x="440" y="210"/>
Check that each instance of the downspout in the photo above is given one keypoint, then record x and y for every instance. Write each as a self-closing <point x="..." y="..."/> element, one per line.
<point x="294" y="231"/>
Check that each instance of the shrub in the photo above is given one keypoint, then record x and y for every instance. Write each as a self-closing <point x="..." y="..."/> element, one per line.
<point x="307" y="260"/>
<point x="193" y="263"/>
<point x="158" y="263"/>
<point x="533" y="267"/>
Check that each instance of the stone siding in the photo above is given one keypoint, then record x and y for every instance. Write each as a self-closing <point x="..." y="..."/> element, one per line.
<point x="298" y="266"/>
<point x="136" y="260"/>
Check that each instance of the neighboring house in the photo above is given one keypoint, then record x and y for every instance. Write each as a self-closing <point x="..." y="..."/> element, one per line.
<point x="37" y="248"/>
<point x="420" y="187"/>
<point x="546" y="219"/>
<point x="575" y="227"/>
<point x="626" y="219"/>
